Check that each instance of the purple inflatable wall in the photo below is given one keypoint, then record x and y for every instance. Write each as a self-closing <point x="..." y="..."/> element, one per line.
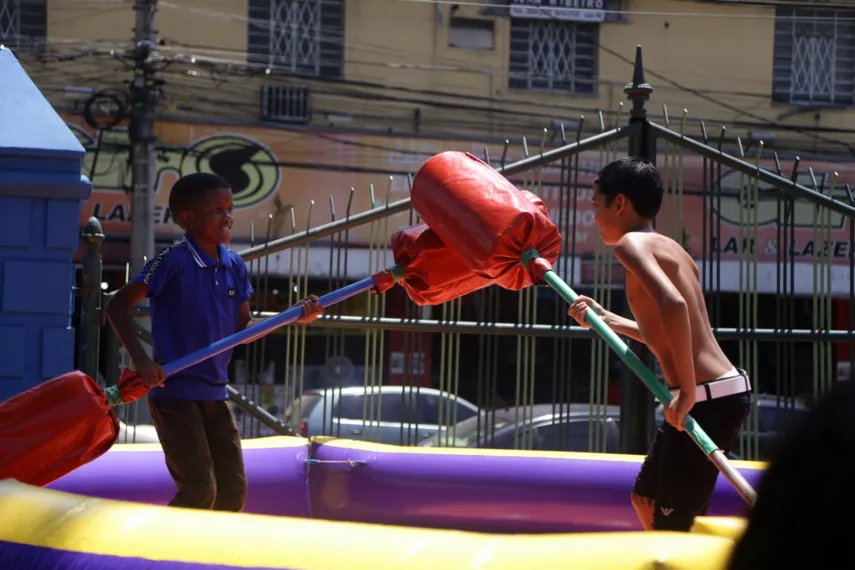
<point x="276" y="475"/>
<point x="479" y="490"/>
<point x="485" y="492"/>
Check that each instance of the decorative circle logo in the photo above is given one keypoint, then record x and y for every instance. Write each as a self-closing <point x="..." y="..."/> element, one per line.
<point x="733" y="205"/>
<point x="247" y="165"/>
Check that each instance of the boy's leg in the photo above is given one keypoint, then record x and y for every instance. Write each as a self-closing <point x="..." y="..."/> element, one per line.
<point x="687" y="477"/>
<point x="646" y="483"/>
<point x="181" y="430"/>
<point x="225" y="446"/>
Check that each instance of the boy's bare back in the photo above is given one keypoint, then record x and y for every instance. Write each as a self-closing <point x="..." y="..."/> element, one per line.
<point x="656" y="252"/>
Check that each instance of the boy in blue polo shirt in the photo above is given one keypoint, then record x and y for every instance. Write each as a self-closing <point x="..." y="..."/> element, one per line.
<point x="200" y="293"/>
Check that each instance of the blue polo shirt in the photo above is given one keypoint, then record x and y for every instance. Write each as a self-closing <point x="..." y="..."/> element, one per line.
<point x="195" y="301"/>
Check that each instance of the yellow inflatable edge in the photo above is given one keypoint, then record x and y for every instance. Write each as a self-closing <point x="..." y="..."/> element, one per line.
<point x="56" y="520"/>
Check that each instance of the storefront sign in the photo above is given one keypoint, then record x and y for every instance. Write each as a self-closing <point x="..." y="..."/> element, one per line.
<point x="564" y="10"/>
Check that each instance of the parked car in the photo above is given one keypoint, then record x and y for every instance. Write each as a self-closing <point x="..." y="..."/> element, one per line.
<point x="542" y="427"/>
<point x="773" y="419"/>
<point x="406" y="414"/>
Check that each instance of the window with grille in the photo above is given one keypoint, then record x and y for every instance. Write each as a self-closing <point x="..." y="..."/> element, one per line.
<point x="23" y="23"/>
<point x="300" y="37"/>
<point x="553" y="55"/>
<point x="814" y="57"/>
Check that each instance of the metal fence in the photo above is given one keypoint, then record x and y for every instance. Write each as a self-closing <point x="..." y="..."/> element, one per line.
<point x="509" y="370"/>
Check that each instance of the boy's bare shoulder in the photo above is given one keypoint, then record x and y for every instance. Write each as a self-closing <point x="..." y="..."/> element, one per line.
<point x="635" y="245"/>
<point x="638" y="248"/>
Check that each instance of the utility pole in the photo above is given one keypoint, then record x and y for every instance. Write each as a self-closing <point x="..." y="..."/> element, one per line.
<point x="143" y="98"/>
<point x="143" y="101"/>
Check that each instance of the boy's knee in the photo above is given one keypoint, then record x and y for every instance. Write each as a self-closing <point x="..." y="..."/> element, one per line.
<point x="639" y="502"/>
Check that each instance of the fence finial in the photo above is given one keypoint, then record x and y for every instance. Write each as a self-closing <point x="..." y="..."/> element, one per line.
<point x="639" y="90"/>
<point x="92" y="236"/>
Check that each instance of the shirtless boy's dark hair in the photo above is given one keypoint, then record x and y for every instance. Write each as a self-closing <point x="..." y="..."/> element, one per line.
<point x="188" y="190"/>
<point x="636" y="179"/>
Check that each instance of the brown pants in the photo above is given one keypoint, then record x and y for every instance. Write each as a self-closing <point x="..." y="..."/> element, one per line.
<point x="202" y="447"/>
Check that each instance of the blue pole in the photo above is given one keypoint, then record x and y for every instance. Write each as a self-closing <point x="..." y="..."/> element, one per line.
<point x="257" y="331"/>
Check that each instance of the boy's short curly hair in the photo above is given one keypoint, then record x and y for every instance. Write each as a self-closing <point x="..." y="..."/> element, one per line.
<point x="191" y="188"/>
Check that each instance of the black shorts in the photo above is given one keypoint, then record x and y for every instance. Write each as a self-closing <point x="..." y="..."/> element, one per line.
<point x="677" y="475"/>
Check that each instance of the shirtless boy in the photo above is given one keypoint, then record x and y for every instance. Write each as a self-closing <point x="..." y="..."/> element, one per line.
<point x="664" y="293"/>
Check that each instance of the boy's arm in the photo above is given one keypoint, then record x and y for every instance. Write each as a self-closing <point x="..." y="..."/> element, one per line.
<point x="245" y="319"/>
<point x="245" y="315"/>
<point x="623" y="326"/>
<point x="672" y="307"/>
<point x="117" y="313"/>
<point x="620" y="325"/>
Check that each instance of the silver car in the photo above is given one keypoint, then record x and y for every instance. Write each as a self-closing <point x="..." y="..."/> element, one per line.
<point x="396" y="415"/>
<point x="543" y="427"/>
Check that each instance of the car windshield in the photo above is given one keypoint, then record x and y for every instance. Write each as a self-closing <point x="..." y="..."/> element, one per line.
<point x="468" y="431"/>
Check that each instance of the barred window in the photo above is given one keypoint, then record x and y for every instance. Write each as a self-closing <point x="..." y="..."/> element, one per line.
<point x="303" y="37"/>
<point x="23" y="23"/>
<point x="814" y="57"/>
<point x="553" y="55"/>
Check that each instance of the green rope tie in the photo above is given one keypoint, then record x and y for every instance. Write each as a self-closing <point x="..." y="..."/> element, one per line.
<point x="397" y="272"/>
<point x="114" y="397"/>
<point x="528" y="256"/>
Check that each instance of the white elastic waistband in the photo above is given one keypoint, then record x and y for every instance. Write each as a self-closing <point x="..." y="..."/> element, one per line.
<point x="734" y="382"/>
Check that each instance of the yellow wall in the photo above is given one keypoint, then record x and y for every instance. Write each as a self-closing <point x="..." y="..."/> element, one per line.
<point x="721" y="57"/>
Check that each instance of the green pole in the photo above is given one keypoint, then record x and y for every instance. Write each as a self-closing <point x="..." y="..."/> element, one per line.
<point x="661" y="393"/>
